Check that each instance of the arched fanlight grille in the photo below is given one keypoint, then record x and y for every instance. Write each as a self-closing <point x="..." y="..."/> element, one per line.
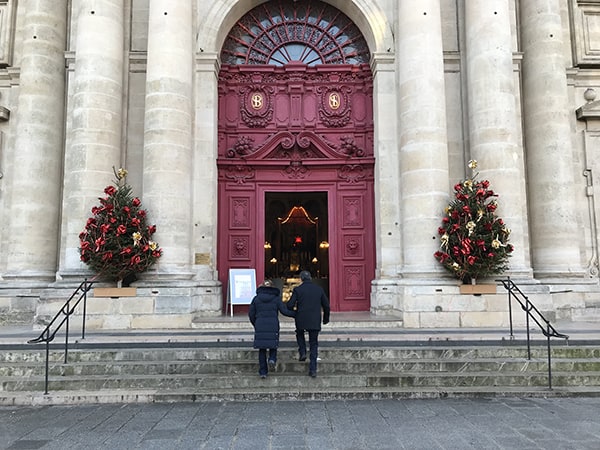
<point x="283" y="31"/>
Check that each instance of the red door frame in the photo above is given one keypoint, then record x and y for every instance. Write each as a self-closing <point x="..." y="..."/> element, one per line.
<point x="329" y="189"/>
<point x="350" y="229"/>
<point x="305" y="129"/>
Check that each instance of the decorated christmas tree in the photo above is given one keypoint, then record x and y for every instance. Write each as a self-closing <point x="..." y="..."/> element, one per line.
<point x="473" y="240"/>
<point x="116" y="242"/>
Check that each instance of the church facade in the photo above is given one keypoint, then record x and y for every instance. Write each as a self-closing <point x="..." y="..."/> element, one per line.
<point x="286" y="135"/>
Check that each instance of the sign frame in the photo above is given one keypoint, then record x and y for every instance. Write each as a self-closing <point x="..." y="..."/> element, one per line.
<point x="241" y="287"/>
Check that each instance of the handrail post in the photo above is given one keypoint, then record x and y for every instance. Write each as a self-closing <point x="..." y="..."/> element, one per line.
<point x="549" y="357"/>
<point x="46" y="376"/>
<point x="510" y="318"/>
<point x="527" y="313"/>
<point x="85" y="291"/>
<point x="67" y="332"/>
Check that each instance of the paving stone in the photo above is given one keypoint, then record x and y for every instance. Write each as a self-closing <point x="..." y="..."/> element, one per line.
<point x="506" y="423"/>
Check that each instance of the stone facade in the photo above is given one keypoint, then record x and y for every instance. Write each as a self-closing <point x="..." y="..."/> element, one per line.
<point x="89" y="85"/>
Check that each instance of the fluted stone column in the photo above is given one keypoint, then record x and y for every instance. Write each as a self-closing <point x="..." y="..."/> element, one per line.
<point x="423" y="138"/>
<point x="36" y="169"/>
<point x="96" y="127"/>
<point x="168" y="133"/>
<point x="493" y="131"/>
<point x="556" y="236"/>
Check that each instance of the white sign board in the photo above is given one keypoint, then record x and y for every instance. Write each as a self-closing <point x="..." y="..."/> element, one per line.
<point x="241" y="288"/>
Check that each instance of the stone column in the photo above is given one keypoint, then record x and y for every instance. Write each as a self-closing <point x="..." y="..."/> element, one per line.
<point x="493" y="131"/>
<point x="384" y="290"/>
<point x="94" y="139"/>
<point x="423" y="138"/>
<point x="36" y="170"/>
<point x="205" y="208"/>
<point x="168" y="133"/>
<point x="387" y="168"/>
<point x="556" y="235"/>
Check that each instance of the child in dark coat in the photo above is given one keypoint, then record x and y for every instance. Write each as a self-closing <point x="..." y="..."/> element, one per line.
<point x="264" y="316"/>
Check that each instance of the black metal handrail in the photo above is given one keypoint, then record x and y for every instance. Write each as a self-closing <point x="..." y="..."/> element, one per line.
<point x="532" y="313"/>
<point x="62" y="318"/>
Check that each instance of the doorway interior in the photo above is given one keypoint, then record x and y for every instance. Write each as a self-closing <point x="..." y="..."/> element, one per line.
<point x="296" y="238"/>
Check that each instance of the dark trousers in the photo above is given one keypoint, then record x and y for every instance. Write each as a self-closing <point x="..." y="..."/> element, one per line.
<point x="263" y="369"/>
<point x="313" y="342"/>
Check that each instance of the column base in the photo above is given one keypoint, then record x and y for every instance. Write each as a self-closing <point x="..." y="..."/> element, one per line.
<point x="29" y="278"/>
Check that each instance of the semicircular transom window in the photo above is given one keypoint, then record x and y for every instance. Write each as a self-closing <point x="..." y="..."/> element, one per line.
<point x="284" y="31"/>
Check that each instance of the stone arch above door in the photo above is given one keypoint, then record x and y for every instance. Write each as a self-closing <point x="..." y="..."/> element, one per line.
<point x="215" y="19"/>
<point x="281" y="32"/>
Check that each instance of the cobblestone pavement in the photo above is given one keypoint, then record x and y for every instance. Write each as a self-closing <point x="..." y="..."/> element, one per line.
<point x="496" y="423"/>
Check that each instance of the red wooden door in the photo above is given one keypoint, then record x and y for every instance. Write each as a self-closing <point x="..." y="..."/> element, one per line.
<point x="355" y="241"/>
<point x="298" y="129"/>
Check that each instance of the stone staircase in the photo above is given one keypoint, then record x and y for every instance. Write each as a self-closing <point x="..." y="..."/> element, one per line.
<point x="203" y="371"/>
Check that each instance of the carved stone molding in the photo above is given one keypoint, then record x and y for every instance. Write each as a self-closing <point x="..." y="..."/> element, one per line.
<point x="588" y="112"/>
<point x="353" y="247"/>
<point x="256" y="108"/>
<point x="353" y="173"/>
<point x="295" y="146"/>
<point x="244" y="146"/>
<point x="240" y="247"/>
<point x="296" y="170"/>
<point x="294" y="154"/>
<point x="354" y="282"/>
<point x="348" y="147"/>
<point x="1" y="148"/>
<point x="586" y="32"/>
<point x="352" y="216"/>
<point x="240" y="212"/>
<point x="7" y="30"/>
<point x="334" y="108"/>
<point x="239" y="174"/>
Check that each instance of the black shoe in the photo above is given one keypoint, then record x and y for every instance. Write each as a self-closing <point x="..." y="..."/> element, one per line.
<point x="302" y="358"/>
<point x="272" y="363"/>
<point x="312" y="374"/>
<point x="263" y="376"/>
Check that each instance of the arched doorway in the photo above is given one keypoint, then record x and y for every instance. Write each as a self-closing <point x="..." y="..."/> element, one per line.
<point x="296" y="150"/>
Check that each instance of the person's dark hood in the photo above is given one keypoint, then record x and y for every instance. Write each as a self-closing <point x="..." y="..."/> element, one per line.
<point x="266" y="293"/>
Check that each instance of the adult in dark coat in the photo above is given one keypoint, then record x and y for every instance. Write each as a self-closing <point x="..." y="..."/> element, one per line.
<point x="309" y="300"/>
<point x="264" y="316"/>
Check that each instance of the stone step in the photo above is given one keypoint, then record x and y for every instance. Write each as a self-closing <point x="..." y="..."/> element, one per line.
<point x="195" y="371"/>
<point x="324" y="381"/>
<point x="74" y="397"/>
<point x="138" y="367"/>
<point x="337" y="352"/>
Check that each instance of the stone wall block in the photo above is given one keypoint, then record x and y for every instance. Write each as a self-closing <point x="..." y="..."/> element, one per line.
<point x="439" y="319"/>
<point x="102" y="305"/>
<point x="173" y="304"/>
<point x="117" y="322"/>
<point x="154" y="321"/>
<point x="136" y="305"/>
<point x="483" y="319"/>
<point x="411" y="320"/>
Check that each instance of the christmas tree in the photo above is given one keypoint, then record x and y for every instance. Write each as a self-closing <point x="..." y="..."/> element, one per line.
<point x="473" y="240"/>
<point x="116" y="243"/>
